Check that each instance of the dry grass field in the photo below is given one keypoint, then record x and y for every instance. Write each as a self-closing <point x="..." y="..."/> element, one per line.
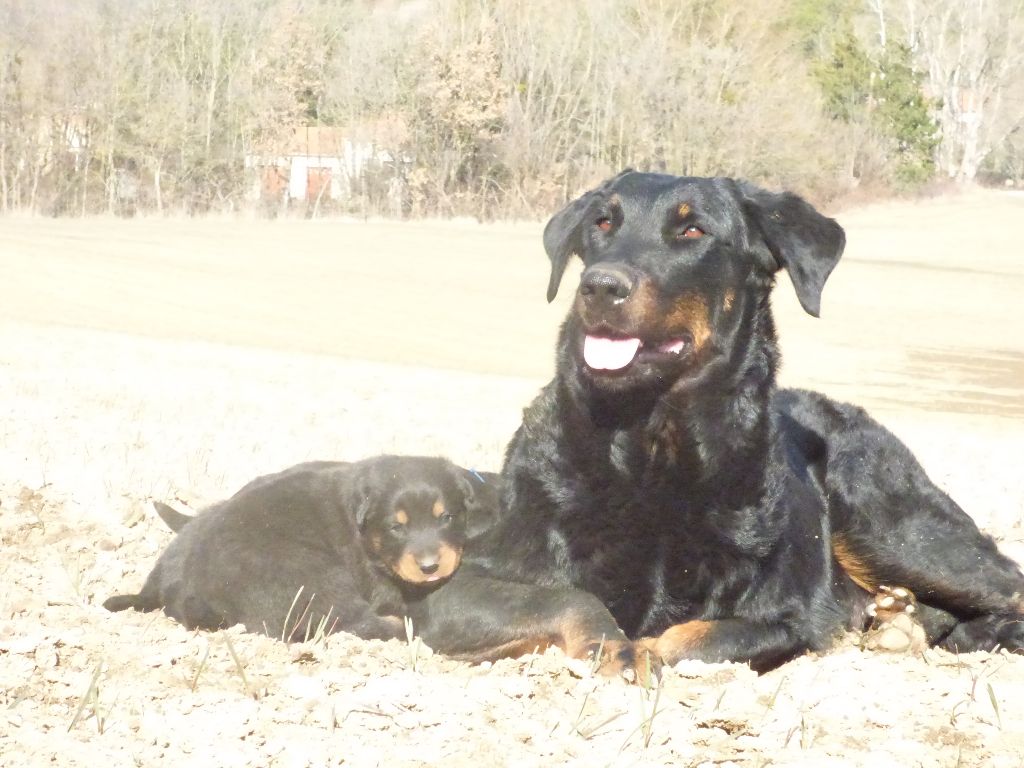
<point x="170" y="359"/>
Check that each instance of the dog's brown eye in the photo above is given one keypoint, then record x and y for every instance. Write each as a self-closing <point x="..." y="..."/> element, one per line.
<point x="446" y="518"/>
<point x="396" y="528"/>
<point x="604" y="224"/>
<point x="692" y="232"/>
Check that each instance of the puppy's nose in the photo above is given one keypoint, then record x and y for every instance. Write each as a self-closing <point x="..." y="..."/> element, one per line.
<point x="605" y="284"/>
<point x="428" y="565"/>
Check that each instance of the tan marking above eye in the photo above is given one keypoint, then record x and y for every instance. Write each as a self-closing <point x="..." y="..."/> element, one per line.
<point x="684" y="210"/>
<point x="438" y="509"/>
<point x="730" y="297"/>
<point x="402" y="517"/>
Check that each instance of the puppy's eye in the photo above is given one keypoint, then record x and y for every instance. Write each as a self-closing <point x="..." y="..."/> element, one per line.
<point x="446" y="518"/>
<point x="692" y="233"/>
<point x="396" y="528"/>
<point x="604" y="224"/>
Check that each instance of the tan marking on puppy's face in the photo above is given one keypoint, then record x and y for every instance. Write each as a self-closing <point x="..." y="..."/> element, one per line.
<point x="449" y="557"/>
<point x="402" y="517"/>
<point x="438" y="508"/>
<point x="408" y="570"/>
<point x="684" y="210"/>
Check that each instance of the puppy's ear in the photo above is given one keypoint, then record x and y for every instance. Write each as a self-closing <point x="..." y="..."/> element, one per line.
<point x="361" y="498"/>
<point x="798" y="238"/>
<point x="563" y="235"/>
<point x="363" y="510"/>
<point x="480" y="495"/>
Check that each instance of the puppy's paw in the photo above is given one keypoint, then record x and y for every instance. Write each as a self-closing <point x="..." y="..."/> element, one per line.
<point x="1011" y="634"/>
<point x="617" y="658"/>
<point x="894" y="626"/>
<point x="648" y="663"/>
<point x="680" y="641"/>
<point x="380" y="628"/>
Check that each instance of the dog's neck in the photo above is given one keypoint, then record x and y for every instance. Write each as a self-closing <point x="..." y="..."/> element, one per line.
<point x="700" y="427"/>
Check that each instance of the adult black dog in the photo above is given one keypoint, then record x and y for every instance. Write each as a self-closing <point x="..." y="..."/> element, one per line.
<point x="717" y="517"/>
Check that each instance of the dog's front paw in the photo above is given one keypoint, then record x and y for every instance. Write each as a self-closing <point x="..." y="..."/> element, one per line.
<point x="894" y="626"/>
<point x="1010" y="634"/>
<point x="678" y="642"/>
<point x="618" y="658"/>
<point x="379" y="628"/>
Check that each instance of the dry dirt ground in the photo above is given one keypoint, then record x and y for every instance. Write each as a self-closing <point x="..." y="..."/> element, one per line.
<point x="178" y="359"/>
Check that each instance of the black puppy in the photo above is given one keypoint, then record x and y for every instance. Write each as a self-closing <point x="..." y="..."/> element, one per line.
<point x="322" y="546"/>
<point x="661" y="470"/>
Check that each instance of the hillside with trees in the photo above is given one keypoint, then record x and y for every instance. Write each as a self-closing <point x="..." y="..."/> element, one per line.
<point x="494" y="108"/>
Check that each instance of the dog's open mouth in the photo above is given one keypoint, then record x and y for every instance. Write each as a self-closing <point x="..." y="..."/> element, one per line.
<point x="606" y="353"/>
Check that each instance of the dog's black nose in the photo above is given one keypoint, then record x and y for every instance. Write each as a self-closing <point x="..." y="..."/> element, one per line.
<point x="605" y="284"/>
<point x="429" y="566"/>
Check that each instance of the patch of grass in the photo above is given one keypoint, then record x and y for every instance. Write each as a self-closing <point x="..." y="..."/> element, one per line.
<point x="579" y="715"/>
<point x="595" y="663"/>
<point x="249" y="691"/>
<point x="774" y="698"/>
<point x="646" y="727"/>
<point x="285" y="633"/>
<point x="962" y="706"/>
<point x="72" y="567"/>
<point x="199" y="668"/>
<point x="414" y="643"/>
<point x="318" y="635"/>
<point x="995" y="704"/>
<point x="587" y="733"/>
<point x="91" y="700"/>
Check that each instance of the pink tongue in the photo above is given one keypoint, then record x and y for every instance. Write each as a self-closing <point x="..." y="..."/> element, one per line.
<point x="609" y="354"/>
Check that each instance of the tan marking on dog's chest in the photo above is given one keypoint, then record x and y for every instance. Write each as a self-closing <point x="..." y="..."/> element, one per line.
<point x="852" y="565"/>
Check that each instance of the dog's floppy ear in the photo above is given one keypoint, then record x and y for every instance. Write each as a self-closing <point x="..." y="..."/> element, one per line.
<point x="805" y="242"/>
<point x="480" y="495"/>
<point x="360" y="498"/>
<point x="563" y="233"/>
<point x="363" y="509"/>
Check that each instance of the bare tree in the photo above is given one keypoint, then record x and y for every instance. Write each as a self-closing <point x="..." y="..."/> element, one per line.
<point x="972" y="52"/>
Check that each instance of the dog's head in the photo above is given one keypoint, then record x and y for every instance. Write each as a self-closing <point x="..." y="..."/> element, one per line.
<point x="413" y="514"/>
<point x="674" y="266"/>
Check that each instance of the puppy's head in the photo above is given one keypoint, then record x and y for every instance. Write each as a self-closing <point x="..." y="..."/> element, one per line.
<point x="413" y="516"/>
<point x="675" y="268"/>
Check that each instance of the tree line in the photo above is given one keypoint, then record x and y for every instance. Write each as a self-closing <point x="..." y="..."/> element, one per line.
<point x="498" y="108"/>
